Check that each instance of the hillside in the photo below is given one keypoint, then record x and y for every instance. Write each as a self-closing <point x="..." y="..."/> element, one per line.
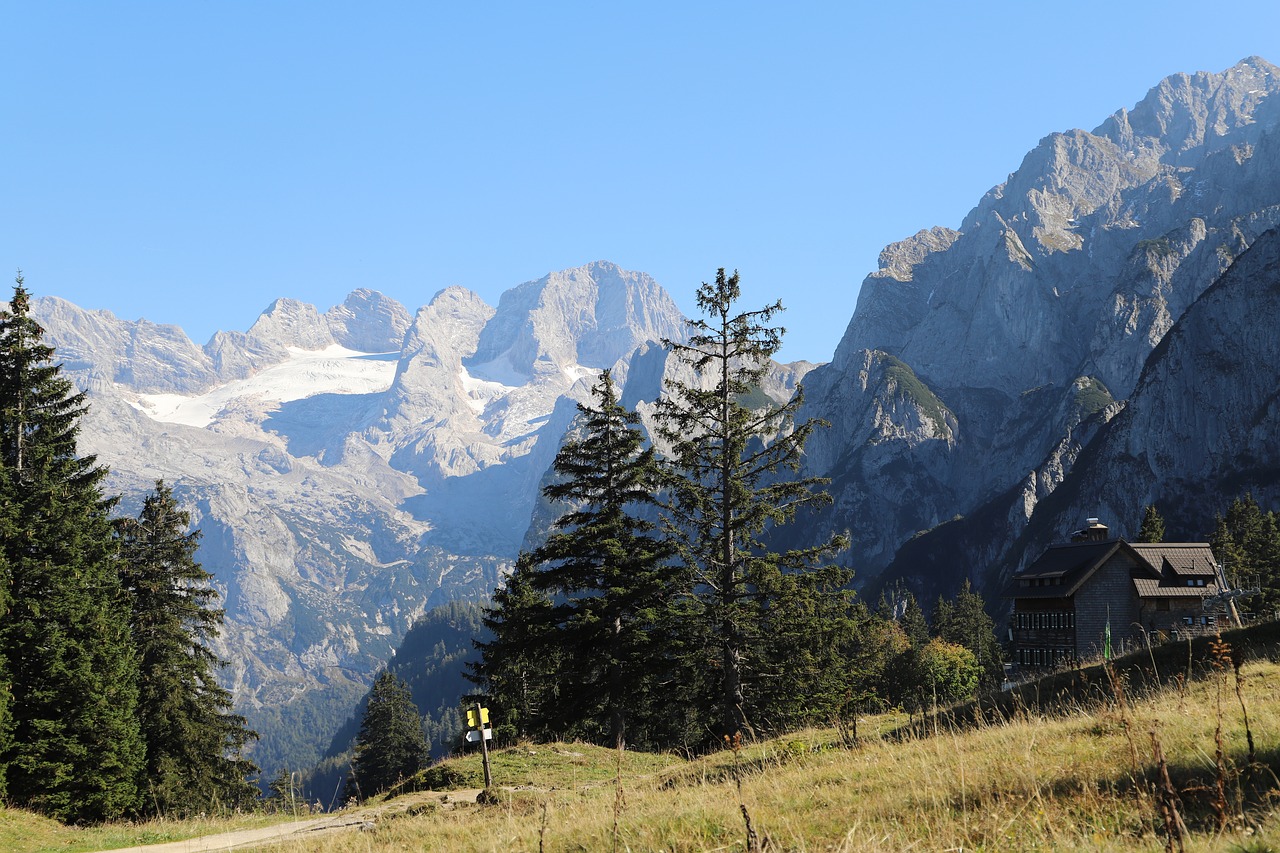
<point x="1076" y="772"/>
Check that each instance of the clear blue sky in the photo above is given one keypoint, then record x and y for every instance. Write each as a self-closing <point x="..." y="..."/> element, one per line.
<point x="188" y="162"/>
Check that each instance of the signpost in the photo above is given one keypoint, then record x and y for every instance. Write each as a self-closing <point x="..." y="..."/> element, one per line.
<point x="478" y="723"/>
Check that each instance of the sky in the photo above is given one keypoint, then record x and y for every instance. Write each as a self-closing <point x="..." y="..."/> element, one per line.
<point x="190" y="162"/>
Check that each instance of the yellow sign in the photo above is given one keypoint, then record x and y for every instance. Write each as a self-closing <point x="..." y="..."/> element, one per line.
<point x="476" y="719"/>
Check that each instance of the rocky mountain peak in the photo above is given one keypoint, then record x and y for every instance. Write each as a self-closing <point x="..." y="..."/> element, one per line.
<point x="591" y="316"/>
<point x="290" y="323"/>
<point x="367" y="321"/>
<point x="1186" y="112"/>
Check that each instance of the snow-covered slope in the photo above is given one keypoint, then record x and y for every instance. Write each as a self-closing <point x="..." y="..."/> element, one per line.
<point x="305" y="373"/>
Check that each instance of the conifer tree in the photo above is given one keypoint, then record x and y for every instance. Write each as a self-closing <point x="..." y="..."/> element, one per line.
<point x="603" y="574"/>
<point x="4" y="667"/>
<point x="76" y="751"/>
<point x="1247" y="543"/>
<point x="519" y="669"/>
<point x="730" y="459"/>
<point x="390" y="746"/>
<point x="1152" y="530"/>
<point x="194" y="740"/>
<point x="965" y="622"/>
<point x="910" y="615"/>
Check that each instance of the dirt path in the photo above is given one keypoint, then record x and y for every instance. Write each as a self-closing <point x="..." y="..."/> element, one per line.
<point x="299" y="829"/>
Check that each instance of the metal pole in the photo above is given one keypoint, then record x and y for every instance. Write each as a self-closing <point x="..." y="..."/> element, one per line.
<point x="484" y="750"/>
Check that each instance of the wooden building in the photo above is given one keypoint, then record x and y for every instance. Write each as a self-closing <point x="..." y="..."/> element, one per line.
<point x="1067" y="602"/>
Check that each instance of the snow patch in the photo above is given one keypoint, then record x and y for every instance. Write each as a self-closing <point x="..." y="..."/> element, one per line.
<point x="574" y="372"/>
<point x="332" y="370"/>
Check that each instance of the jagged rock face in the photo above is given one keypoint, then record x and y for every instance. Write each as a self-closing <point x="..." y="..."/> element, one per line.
<point x="350" y="468"/>
<point x="1071" y="271"/>
<point x="592" y="316"/>
<point x="1200" y="427"/>
<point x="142" y="355"/>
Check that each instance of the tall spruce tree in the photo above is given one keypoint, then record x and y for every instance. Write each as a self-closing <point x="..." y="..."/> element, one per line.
<point x="1247" y="543"/>
<point x="194" y="740"/>
<point x="5" y="532"/>
<point x="604" y="576"/>
<point x="730" y="457"/>
<point x="519" y="669"/>
<point x="76" y="751"/>
<point x="1152" y="530"/>
<point x="390" y="746"/>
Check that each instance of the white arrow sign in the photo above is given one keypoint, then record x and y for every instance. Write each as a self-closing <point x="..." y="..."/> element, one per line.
<point x="473" y="736"/>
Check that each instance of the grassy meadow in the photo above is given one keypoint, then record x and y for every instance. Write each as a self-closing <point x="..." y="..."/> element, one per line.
<point x="1077" y="772"/>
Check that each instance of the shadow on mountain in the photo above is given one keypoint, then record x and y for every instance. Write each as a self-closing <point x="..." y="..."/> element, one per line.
<point x="312" y="425"/>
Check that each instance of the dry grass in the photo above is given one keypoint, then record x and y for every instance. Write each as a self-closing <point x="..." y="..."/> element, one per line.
<point x="1072" y="778"/>
<point x="1065" y="782"/>
<point x="23" y="832"/>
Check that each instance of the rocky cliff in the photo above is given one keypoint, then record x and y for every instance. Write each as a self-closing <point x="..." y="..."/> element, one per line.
<point x="976" y="357"/>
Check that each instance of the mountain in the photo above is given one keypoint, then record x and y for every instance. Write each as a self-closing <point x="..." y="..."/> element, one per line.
<point x="1054" y="355"/>
<point x="353" y="468"/>
<point x="980" y="361"/>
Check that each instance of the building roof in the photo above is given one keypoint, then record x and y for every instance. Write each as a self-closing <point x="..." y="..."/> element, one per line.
<point x="1152" y="588"/>
<point x="1060" y="570"/>
<point x="1179" y="558"/>
<point x="1167" y="566"/>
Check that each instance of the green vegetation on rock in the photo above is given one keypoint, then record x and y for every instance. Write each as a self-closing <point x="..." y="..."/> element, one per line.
<point x="909" y="385"/>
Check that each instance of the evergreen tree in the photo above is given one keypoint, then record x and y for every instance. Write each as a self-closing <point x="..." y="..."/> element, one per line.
<point x="6" y="531"/>
<point x="911" y="618"/>
<point x="390" y="747"/>
<point x="729" y="456"/>
<point x="194" y="741"/>
<point x="810" y="672"/>
<point x="1247" y="543"/>
<point x="76" y="750"/>
<point x="519" y="670"/>
<point x="605" y="574"/>
<point x="1152" y="530"/>
<point x="965" y="622"/>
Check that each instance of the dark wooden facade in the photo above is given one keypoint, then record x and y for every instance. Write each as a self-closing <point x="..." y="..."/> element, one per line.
<point x="1066" y="601"/>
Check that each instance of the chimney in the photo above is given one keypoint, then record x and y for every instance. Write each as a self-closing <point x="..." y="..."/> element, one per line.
<point x="1094" y="531"/>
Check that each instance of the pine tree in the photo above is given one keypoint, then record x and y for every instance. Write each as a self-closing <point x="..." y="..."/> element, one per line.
<point x="730" y="454"/>
<point x="390" y="747"/>
<point x="606" y="574"/>
<point x="1152" y="530"/>
<point x="76" y="751"/>
<point x="910" y="615"/>
<point x="519" y="670"/>
<point x="194" y="741"/>
<point x="4" y="666"/>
